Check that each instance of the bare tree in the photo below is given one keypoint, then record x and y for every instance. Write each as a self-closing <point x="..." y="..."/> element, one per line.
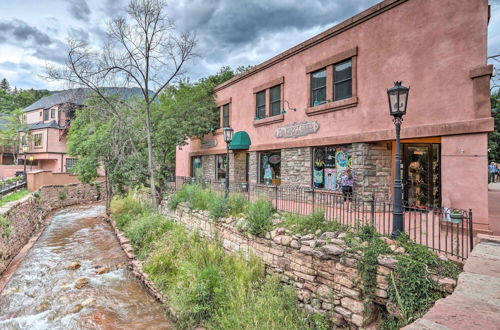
<point x="142" y="50"/>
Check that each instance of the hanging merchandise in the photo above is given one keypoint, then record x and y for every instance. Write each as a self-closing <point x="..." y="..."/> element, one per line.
<point x="330" y="178"/>
<point x="330" y="157"/>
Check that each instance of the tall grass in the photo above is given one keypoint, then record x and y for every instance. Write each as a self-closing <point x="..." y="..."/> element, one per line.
<point x="309" y="224"/>
<point x="13" y="196"/>
<point x="203" y="284"/>
<point x="259" y="217"/>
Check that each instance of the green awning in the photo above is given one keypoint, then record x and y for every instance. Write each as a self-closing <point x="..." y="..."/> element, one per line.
<point x="241" y="141"/>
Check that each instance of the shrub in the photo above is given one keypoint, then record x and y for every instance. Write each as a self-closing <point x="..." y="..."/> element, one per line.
<point x="309" y="224"/>
<point x="237" y="203"/>
<point x="218" y="207"/>
<point x="63" y="194"/>
<point x="124" y="209"/>
<point x="259" y="217"/>
<point x="5" y="226"/>
<point x="193" y="194"/>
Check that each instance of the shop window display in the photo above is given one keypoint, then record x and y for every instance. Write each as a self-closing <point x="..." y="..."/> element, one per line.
<point x="196" y="169"/>
<point x="270" y="167"/>
<point x="330" y="163"/>
<point x="220" y="167"/>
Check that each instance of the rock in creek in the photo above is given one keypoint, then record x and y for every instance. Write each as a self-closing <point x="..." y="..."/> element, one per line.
<point x="74" y="265"/>
<point x="80" y="283"/>
<point x="101" y="270"/>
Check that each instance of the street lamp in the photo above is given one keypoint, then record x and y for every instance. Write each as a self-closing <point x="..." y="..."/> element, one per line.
<point x="31" y="159"/>
<point x="228" y="137"/>
<point x="398" y="99"/>
<point x="25" y="150"/>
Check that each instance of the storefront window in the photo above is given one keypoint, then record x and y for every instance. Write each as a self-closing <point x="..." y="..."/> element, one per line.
<point x="220" y="167"/>
<point x="329" y="164"/>
<point x="196" y="167"/>
<point x="270" y="167"/>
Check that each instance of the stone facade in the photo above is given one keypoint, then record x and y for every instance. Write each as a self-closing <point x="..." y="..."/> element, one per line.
<point x="238" y="166"/>
<point x="208" y="165"/>
<point x="371" y="164"/>
<point x="320" y="267"/>
<point x="296" y="166"/>
<point x="253" y="163"/>
<point x="26" y="216"/>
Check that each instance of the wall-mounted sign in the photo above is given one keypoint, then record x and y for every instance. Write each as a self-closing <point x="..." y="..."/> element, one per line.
<point x="297" y="129"/>
<point x="208" y="143"/>
<point x="274" y="159"/>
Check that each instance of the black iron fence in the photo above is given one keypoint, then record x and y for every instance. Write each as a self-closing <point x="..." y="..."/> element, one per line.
<point x="445" y="230"/>
<point x="11" y="184"/>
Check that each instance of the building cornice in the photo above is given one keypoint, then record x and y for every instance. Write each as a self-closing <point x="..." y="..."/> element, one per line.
<point x="330" y="33"/>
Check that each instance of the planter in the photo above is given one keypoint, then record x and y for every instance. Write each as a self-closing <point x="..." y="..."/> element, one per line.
<point x="456" y="217"/>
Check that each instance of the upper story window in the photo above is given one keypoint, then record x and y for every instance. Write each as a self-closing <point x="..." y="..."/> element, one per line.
<point x="275" y="100"/>
<point x="37" y="140"/>
<point x="342" y="80"/>
<point x="45" y="114"/>
<point x="225" y="115"/>
<point x="332" y="83"/>
<point x="260" y="105"/>
<point x="318" y="87"/>
<point x="52" y="113"/>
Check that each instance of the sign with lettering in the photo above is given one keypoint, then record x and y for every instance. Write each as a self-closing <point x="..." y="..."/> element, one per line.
<point x="208" y="143"/>
<point x="297" y="129"/>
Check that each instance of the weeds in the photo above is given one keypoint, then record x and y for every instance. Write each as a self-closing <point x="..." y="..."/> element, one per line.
<point x="259" y="217"/>
<point x="300" y="224"/>
<point x="5" y="226"/>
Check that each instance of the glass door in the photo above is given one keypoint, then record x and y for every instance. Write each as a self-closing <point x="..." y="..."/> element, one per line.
<point x="421" y="175"/>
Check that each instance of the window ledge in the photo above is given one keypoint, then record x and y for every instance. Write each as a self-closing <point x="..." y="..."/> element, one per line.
<point x="332" y="106"/>
<point x="269" y="120"/>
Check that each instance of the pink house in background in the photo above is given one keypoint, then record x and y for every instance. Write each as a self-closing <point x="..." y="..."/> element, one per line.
<point x="321" y="107"/>
<point x="49" y="119"/>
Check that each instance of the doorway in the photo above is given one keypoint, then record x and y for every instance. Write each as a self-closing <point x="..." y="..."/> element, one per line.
<point x="421" y="175"/>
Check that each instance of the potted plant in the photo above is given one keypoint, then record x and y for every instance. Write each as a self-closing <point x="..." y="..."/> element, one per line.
<point x="456" y="216"/>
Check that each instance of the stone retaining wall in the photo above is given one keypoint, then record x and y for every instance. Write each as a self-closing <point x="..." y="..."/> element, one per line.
<point x="319" y="266"/>
<point x="26" y="216"/>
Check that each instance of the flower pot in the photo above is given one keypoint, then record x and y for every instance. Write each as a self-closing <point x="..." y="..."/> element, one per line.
<point x="456" y="217"/>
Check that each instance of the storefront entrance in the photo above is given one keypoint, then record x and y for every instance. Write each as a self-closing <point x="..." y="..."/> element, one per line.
<point x="421" y="175"/>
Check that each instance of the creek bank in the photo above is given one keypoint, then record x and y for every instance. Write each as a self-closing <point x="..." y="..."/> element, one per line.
<point x="25" y="218"/>
<point x="321" y="266"/>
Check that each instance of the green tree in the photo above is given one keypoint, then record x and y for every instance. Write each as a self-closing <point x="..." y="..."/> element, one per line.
<point x="4" y="85"/>
<point x="13" y="132"/>
<point x="494" y="137"/>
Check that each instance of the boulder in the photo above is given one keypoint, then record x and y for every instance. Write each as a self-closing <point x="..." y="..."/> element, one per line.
<point x="102" y="270"/>
<point x="74" y="265"/>
<point x="88" y="302"/>
<point x="295" y="244"/>
<point x="328" y="235"/>
<point x="387" y="261"/>
<point x="80" y="283"/>
<point x="307" y="237"/>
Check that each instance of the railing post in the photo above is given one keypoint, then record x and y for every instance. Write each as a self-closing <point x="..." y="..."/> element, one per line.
<point x="372" y="211"/>
<point x="313" y="199"/>
<point x="471" y="234"/>
<point x="276" y="197"/>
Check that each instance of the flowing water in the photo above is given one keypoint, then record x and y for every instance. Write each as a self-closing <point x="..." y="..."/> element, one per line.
<point x="41" y="294"/>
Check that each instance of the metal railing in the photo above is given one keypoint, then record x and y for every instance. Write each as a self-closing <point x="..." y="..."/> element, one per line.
<point x="11" y="184"/>
<point x="444" y="230"/>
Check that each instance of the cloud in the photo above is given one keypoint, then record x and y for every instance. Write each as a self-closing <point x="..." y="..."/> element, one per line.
<point x="79" y="9"/>
<point x="113" y="8"/>
<point x="20" y="31"/>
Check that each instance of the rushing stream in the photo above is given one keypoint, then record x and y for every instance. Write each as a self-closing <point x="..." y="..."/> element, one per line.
<point x="42" y="293"/>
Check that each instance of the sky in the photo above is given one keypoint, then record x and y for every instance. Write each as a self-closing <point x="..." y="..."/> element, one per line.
<point x="33" y="33"/>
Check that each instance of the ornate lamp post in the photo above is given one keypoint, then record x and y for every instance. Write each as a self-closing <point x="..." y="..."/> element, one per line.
<point x="398" y="99"/>
<point x="228" y="137"/>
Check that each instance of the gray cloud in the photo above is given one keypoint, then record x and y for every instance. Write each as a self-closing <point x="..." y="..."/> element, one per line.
<point x="79" y="9"/>
<point x="20" y="31"/>
<point x="113" y="8"/>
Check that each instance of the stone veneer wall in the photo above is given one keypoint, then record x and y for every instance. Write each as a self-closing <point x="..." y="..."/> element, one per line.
<point x="296" y="166"/>
<point x="253" y="168"/>
<point x="208" y="165"/>
<point x="26" y="216"/>
<point x="323" y="272"/>
<point x="371" y="164"/>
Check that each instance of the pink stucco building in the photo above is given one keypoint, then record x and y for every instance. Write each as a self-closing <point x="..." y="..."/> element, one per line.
<point x="321" y="107"/>
<point x="48" y="121"/>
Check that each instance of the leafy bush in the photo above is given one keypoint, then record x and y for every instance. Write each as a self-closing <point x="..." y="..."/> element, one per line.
<point x="124" y="209"/>
<point x="5" y="226"/>
<point x="259" y="217"/>
<point x="193" y="194"/>
<point x="218" y="207"/>
<point x="309" y="224"/>
<point x="237" y="203"/>
<point x="63" y="194"/>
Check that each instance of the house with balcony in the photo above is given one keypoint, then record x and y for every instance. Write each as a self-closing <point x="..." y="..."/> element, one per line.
<point x="305" y="116"/>
<point x="48" y="122"/>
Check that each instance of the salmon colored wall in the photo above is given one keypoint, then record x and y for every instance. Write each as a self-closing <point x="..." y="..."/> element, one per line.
<point x="8" y="171"/>
<point x="464" y="176"/>
<point x="430" y="45"/>
<point x="37" y="179"/>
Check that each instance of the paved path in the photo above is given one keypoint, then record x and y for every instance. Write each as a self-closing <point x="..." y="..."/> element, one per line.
<point x="475" y="303"/>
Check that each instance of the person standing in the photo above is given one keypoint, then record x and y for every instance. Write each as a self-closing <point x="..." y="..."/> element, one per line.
<point x="492" y="171"/>
<point x="347" y="182"/>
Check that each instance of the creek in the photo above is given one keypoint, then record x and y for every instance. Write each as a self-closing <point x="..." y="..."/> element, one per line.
<point x="74" y="277"/>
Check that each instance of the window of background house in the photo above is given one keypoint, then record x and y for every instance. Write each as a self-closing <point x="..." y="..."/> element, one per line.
<point x="275" y="100"/>
<point x="260" y="102"/>
<point x="70" y="164"/>
<point x="220" y="167"/>
<point x="196" y="167"/>
<point x="270" y="167"/>
<point x="46" y="114"/>
<point x="225" y="115"/>
<point x="37" y="140"/>
<point x="52" y="113"/>
<point x="342" y="80"/>
<point x="318" y="87"/>
<point x="329" y="164"/>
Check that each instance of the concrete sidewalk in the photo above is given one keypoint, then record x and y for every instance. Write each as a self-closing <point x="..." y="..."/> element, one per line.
<point x="494" y="207"/>
<point x="475" y="303"/>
